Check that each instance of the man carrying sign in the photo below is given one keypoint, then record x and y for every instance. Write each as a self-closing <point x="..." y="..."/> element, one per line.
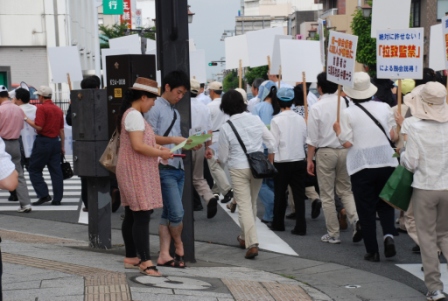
<point x="330" y="161"/>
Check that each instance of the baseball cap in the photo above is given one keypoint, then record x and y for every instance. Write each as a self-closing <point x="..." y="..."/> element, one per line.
<point x="243" y="93"/>
<point x="285" y="94"/>
<point x="194" y="86"/>
<point x="407" y="85"/>
<point x="215" y="86"/>
<point x="3" y="89"/>
<point x="45" y="91"/>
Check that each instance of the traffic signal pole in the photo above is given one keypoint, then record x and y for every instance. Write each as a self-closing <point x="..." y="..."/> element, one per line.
<point x="173" y="54"/>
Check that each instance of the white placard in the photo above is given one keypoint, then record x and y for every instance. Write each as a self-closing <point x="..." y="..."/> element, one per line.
<point x="63" y="61"/>
<point x="131" y="43"/>
<point x="321" y="31"/>
<point x="341" y="58"/>
<point x="107" y="52"/>
<point x="275" y="58"/>
<point x="192" y="45"/>
<point x="260" y="44"/>
<point x="299" y="56"/>
<point x="236" y="50"/>
<point x="197" y="65"/>
<point x="150" y="45"/>
<point x="445" y="39"/>
<point x="399" y="53"/>
<point x="390" y="14"/>
<point x="437" y="53"/>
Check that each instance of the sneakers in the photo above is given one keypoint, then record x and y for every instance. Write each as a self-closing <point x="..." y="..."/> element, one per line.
<point x="357" y="232"/>
<point x="26" y="209"/>
<point x="435" y="295"/>
<point x="330" y="239"/>
<point x="228" y="197"/>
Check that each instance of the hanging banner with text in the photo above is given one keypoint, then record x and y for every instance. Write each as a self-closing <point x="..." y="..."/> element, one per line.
<point x="445" y="38"/>
<point x="112" y="7"/>
<point x="341" y="58"/>
<point x="399" y="53"/>
<point x="127" y="14"/>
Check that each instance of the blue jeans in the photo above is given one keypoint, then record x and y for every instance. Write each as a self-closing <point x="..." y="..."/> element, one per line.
<point x="46" y="151"/>
<point x="172" y="182"/>
<point x="266" y="196"/>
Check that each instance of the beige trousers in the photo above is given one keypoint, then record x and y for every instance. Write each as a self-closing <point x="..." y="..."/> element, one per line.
<point x="222" y="184"/>
<point x="431" y="211"/>
<point x="331" y="168"/>
<point x="245" y="191"/>
<point x="199" y="183"/>
<point x="409" y="222"/>
<point x="310" y="193"/>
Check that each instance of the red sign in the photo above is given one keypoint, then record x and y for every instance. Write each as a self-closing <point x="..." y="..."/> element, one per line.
<point x="127" y="15"/>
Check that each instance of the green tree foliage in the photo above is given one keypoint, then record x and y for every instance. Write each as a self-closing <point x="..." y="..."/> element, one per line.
<point x="120" y="30"/>
<point x="366" y="52"/>
<point x="231" y="81"/>
<point x="254" y="73"/>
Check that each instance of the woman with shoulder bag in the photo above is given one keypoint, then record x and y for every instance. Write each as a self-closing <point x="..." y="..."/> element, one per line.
<point x="253" y="133"/>
<point x="138" y="173"/>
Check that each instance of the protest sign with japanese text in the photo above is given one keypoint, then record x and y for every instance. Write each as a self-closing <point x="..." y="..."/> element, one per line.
<point x="399" y="53"/>
<point x="341" y="58"/>
<point x="445" y="38"/>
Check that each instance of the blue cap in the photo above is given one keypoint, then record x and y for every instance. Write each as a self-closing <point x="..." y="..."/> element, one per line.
<point x="285" y="94"/>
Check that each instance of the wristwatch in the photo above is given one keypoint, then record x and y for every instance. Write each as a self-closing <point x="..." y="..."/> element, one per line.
<point x="25" y="119"/>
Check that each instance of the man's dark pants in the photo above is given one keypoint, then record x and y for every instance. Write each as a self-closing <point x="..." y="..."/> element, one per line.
<point x="46" y="151"/>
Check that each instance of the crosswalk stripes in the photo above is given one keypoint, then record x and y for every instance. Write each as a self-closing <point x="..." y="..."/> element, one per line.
<point x="70" y="201"/>
<point x="416" y="270"/>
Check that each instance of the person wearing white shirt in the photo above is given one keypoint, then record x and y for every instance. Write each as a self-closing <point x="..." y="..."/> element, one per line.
<point x="253" y="133"/>
<point x="201" y="124"/>
<point x="370" y="161"/>
<point x="330" y="161"/>
<point x="426" y="156"/>
<point x="205" y="99"/>
<point x="289" y="131"/>
<point x="28" y="133"/>
<point x="218" y="118"/>
<point x="254" y="88"/>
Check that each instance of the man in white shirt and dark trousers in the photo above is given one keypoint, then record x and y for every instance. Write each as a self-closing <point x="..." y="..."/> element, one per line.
<point x="201" y="124"/>
<point x="218" y="118"/>
<point x="331" y="161"/>
<point x="205" y="99"/>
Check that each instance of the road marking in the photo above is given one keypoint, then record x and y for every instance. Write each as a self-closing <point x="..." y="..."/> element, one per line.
<point x="267" y="239"/>
<point x="83" y="216"/>
<point x="416" y="270"/>
<point x="42" y="208"/>
<point x="64" y="200"/>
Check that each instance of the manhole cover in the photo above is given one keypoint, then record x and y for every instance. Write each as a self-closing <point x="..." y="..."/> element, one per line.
<point x="173" y="282"/>
<point x="352" y="286"/>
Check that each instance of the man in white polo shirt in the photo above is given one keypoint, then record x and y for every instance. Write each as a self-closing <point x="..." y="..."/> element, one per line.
<point x="222" y="184"/>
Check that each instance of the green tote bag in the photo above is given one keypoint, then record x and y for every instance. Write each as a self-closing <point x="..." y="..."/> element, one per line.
<point x="398" y="190"/>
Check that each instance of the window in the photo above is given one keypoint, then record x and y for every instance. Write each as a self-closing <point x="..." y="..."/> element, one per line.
<point x="442" y="8"/>
<point x="415" y="13"/>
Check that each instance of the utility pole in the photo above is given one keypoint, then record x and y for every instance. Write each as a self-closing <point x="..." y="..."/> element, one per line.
<point x="173" y="54"/>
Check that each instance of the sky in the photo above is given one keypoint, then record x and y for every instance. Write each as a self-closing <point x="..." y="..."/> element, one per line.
<point x="211" y="18"/>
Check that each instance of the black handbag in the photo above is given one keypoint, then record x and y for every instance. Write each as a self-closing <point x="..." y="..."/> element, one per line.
<point x="67" y="171"/>
<point x="259" y="165"/>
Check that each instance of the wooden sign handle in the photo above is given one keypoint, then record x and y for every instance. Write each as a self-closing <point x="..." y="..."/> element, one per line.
<point x="305" y="95"/>
<point x="269" y="65"/>
<point x="447" y="87"/>
<point x="399" y="102"/>
<point x="69" y="82"/>
<point x="240" y="74"/>
<point x="339" y="104"/>
<point x="279" y="76"/>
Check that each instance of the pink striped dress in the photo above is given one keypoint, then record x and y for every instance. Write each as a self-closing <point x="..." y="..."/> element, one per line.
<point x="138" y="175"/>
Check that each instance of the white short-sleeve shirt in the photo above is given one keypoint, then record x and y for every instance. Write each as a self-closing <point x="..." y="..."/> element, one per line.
<point x="134" y="122"/>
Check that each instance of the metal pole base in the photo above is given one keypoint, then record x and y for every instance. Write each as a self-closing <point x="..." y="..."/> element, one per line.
<point x="99" y="200"/>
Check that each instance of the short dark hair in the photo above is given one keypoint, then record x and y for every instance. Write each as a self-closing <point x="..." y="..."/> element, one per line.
<point x="428" y="76"/>
<point x="192" y="94"/>
<point x="233" y="103"/>
<point x="202" y="85"/>
<point x="4" y="94"/>
<point x="97" y="79"/>
<point x="326" y="86"/>
<point x="23" y="95"/>
<point x="176" y="79"/>
<point x="219" y="92"/>
<point x="89" y="83"/>
<point x="285" y="104"/>
<point x="257" y="83"/>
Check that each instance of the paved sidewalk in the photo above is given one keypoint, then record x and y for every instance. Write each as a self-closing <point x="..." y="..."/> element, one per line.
<point x="46" y="260"/>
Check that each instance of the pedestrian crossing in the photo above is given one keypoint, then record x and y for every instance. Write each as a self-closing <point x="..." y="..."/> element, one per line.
<point x="70" y="201"/>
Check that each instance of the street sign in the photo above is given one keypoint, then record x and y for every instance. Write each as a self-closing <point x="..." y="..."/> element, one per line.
<point x="113" y="7"/>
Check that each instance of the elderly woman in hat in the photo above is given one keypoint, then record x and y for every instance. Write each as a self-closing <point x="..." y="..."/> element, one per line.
<point x="138" y="173"/>
<point x="426" y="154"/>
<point x="370" y="161"/>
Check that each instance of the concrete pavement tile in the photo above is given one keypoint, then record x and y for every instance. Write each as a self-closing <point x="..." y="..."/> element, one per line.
<point x="224" y="299"/>
<point x="386" y="290"/>
<point x="321" y="268"/>
<point x="151" y="290"/>
<point x="201" y="293"/>
<point x="34" y="284"/>
<point x="65" y="298"/>
<point x="43" y="294"/>
<point x="155" y="297"/>
<point x="422" y="297"/>
<point x="63" y="282"/>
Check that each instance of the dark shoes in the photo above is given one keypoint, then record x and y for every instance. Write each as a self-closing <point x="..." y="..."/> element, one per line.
<point x="300" y="233"/>
<point x="373" y="257"/>
<point x="241" y="242"/>
<point x="292" y="215"/>
<point x="271" y="226"/>
<point x="212" y="207"/>
<point x="228" y="197"/>
<point x="42" y="200"/>
<point x="265" y="221"/>
<point x="389" y="247"/>
<point x="252" y="253"/>
<point x="342" y="217"/>
<point x="198" y="208"/>
<point x="13" y="196"/>
<point x="316" y="205"/>
<point x="56" y="203"/>
<point x="231" y="206"/>
<point x="357" y="233"/>
<point x="416" y="249"/>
